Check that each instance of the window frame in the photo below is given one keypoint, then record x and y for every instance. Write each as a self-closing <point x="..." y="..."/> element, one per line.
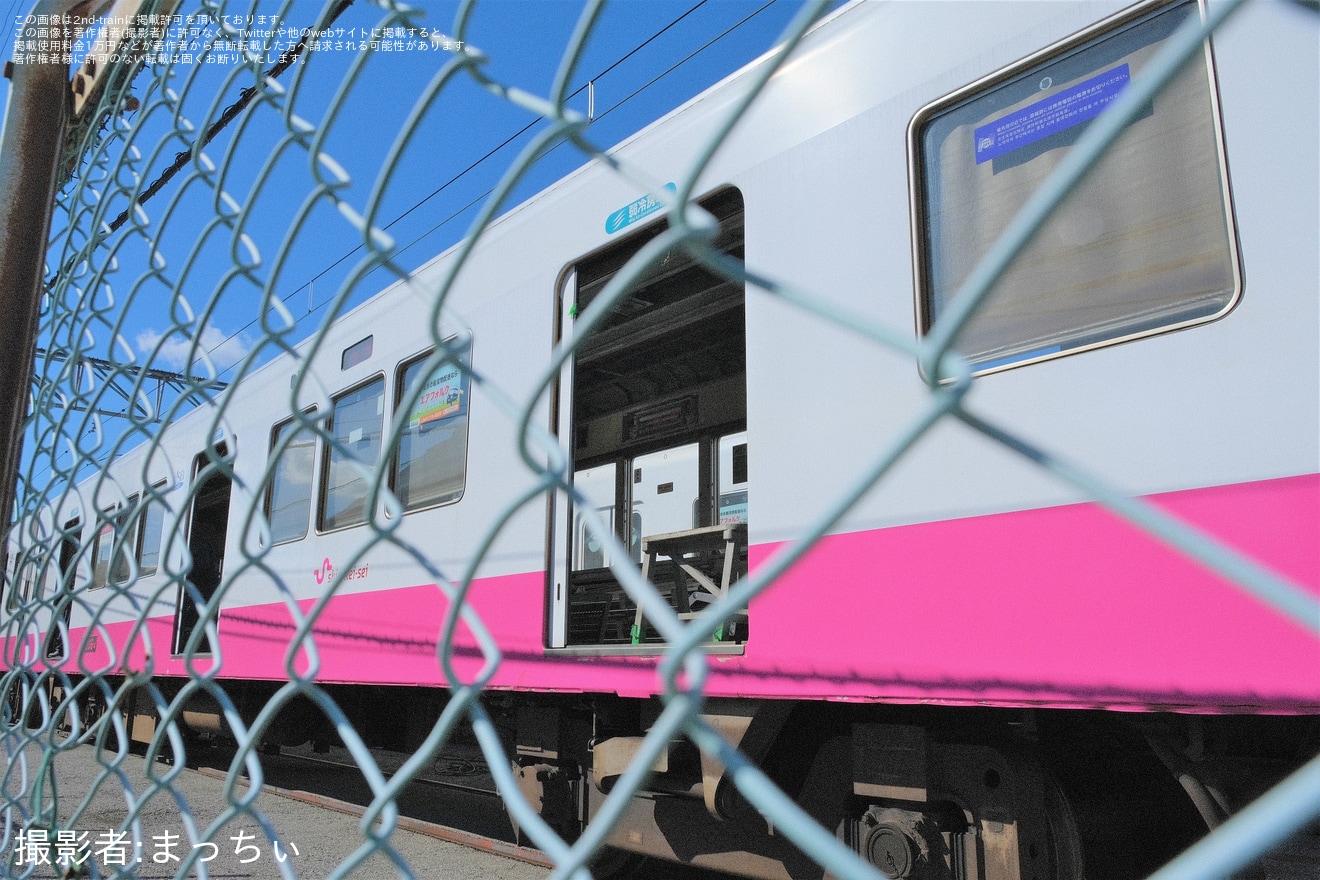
<point x="593" y="433"/>
<point x="268" y="495"/>
<point x="21" y="580"/>
<point x="132" y="514"/>
<point x="464" y="362"/>
<point x="104" y="528"/>
<point x="328" y="450"/>
<point x="151" y="500"/>
<point x="925" y="249"/>
<point x="358" y="353"/>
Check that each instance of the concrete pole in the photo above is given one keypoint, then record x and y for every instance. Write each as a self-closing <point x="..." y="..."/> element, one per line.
<point x="39" y="100"/>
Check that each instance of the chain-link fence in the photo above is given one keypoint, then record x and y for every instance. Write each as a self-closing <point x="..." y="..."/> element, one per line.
<point x="212" y="157"/>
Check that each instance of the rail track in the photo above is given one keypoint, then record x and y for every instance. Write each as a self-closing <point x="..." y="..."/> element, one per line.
<point x="469" y="812"/>
<point x="1298" y="859"/>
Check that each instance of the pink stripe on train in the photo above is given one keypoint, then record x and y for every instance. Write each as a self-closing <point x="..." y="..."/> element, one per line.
<point x="1064" y="606"/>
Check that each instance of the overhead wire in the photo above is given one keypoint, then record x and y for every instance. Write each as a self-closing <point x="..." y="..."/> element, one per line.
<point x="494" y="151"/>
<point x="232" y="112"/>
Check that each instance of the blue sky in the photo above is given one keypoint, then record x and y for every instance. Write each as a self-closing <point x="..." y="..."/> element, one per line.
<point x="644" y="58"/>
<point x="469" y="137"/>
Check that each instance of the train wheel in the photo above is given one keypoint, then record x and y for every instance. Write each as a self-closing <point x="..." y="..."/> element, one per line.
<point x="951" y="838"/>
<point x="22" y="708"/>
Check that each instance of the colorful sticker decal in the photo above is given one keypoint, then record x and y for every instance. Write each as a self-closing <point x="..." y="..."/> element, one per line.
<point x="1058" y="112"/>
<point x="631" y="213"/>
<point x="733" y="508"/>
<point x="442" y="396"/>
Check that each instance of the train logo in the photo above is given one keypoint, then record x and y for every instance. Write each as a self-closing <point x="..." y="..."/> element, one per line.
<point x="324" y="574"/>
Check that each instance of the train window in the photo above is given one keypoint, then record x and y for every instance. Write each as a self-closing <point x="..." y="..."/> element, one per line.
<point x="1143" y="245"/>
<point x="356" y="353"/>
<point x="131" y="537"/>
<point x="102" y="547"/>
<point x="355" y="427"/>
<point x="289" y="496"/>
<point x="151" y="526"/>
<point x="599" y="487"/>
<point x="123" y="557"/>
<point x="733" y="478"/>
<point x="17" y="581"/>
<point x="28" y="581"/>
<point x="666" y="491"/>
<point x="431" y="465"/>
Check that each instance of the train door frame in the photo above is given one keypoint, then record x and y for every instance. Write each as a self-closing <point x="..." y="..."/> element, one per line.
<point x="70" y="544"/>
<point x="561" y="519"/>
<point x="208" y="533"/>
<point x="676" y="349"/>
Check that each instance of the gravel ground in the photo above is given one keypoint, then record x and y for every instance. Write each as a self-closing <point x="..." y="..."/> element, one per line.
<point x="322" y="838"/>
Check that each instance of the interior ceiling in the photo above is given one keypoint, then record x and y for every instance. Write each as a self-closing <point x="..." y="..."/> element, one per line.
<point x="682" y="325"/>
<point x="664" y="364"/>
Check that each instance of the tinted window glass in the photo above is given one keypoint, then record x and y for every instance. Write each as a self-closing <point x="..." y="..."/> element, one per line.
<point x="355" y="425"/>
<point x="125" y="548"/>
<point x="1143" y="244"/>
<point x="733" y="478"/>
<point x="105" y="541"/>
<point x="598" y="486"/>
<point x="356" y="353"/>
<point x="289" y="501"/>
<point x="150" y="527"/>
<point x="432" y="461"/>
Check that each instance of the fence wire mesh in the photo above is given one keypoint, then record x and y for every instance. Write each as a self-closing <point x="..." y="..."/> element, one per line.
<point x="179" y="167"/>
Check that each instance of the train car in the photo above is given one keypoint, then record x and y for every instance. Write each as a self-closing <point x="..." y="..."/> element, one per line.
<point x="978" y="673"/>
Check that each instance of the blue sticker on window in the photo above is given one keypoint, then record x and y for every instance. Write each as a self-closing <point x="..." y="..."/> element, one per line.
<point x="1058" y="112"/>
<point x="1019" y="356"/>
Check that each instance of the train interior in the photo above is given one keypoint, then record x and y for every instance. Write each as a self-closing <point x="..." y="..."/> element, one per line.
<point x="659" y="427"/>
<point x="64" y="602"/>
<point x="206" y="547"/>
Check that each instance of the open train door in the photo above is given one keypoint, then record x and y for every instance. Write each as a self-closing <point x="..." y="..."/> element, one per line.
<point x="652" y="415"/>
<point x="64" y="588"/>
<point x="208" y="531"/>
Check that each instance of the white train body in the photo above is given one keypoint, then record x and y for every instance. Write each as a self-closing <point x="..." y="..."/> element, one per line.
<point x="967" y="576"/>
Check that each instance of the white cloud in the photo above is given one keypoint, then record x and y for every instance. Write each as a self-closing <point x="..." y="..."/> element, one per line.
<point x="223" y="350"/>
